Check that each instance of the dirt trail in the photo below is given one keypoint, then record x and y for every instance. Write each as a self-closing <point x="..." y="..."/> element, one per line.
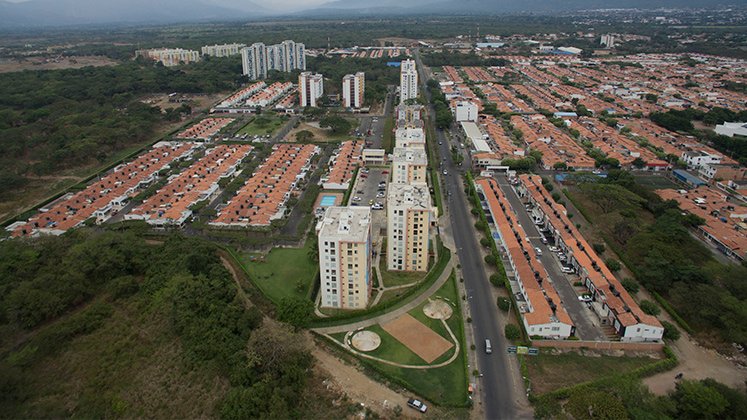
<point x="358" y="386"/>
<point x="697" y="362"/>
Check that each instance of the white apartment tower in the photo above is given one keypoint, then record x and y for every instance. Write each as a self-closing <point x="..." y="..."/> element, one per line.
<point x="224" y="50"/>
<point x="408" y="226"/>
<point x="353" y="87"/>
<point x="608" y="41"/>
<point x="310" y="88"/>
<point x="408" y="81"/>
<point x="344" y="236"/>
<point x="254" y="61"/>
<point x="409" y="165"/>
<point x="287" y="56"/>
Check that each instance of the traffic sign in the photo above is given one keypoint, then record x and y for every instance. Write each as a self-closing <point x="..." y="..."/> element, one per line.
<point x="511" y="349"/>
<point x="533" y="351"/>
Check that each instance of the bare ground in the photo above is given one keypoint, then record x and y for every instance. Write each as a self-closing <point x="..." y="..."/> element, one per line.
<point x="45" y="63"/>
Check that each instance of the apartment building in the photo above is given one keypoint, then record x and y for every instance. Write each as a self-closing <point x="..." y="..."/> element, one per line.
<point x="409" y="165"/>
<point x="310" y="88"/>
<point x="344" y="237"/>
<point x="612" y="304"/>
<point x="224" y="50"/>
<point x="542" y="310"/>
<point x="254" y="61"/>
<point x="409" y="135"/>
<point x="607" y="40"/>
<point x="170" y="57"/>
<point x="410" y="113"/>
<point x="698" y="158"/>
<point x="353" y="88"/>
<point x="408" y="81"/>
<point x="259" y="58"/>
<point x="409" y="217"/>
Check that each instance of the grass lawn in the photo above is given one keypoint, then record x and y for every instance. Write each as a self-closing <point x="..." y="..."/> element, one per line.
<point x="548" y="372"/>
<point x="284" y="272"/>
<point x="398" y="278"/>
<point x="445" y="385"/>
<point x="656" y="182"/>
<point x="262" y="125"/>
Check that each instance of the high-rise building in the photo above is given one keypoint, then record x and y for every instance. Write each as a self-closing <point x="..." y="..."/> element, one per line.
<point x="409" y="165"/>
<point x="310" y="88"/>
<point x="170" y="56"/>
<point x="409" y="113"/>
<point x="224" y="50"/>
<point x="408" y="81"/>
<point x="344" y="236"/>
<point x="409" y="213"/>
<point x="287" y="56"/>
<point x="254" y="61"/>
<point x="353" y="87"/>
<point x="607" y="40"/>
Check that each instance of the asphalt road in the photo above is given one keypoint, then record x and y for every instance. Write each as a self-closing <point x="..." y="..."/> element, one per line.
<point x="580" y="314"/>
<point x="496" y="382"/>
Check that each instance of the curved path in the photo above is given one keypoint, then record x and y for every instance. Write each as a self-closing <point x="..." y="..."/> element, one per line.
<point x="414" y="303"/>
<point x="453" y="357"/>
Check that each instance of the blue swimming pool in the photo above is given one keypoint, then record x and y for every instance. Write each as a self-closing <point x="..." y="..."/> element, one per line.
<point x="328" y="201"/>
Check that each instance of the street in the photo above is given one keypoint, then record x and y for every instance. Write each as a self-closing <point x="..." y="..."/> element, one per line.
<point x="496" y="382"/>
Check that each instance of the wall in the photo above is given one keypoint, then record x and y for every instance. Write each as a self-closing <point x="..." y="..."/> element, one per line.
<point x="601" y="345"/>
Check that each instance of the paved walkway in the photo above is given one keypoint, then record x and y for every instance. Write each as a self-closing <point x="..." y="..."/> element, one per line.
<point x="389" y="316"/>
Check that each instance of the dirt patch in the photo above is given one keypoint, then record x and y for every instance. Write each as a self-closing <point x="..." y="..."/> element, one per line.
<point x="8" y="65"/>
<point x="697" y="362"/>
<point x="357" y="386"/>
<point x="321" y="135"/>
<point x="438" y="309"/>
<point x="366" y="341"/>
<point x="422" y="340"/>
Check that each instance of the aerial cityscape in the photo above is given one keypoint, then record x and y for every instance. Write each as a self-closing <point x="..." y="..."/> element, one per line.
<point x="376" y="210"/>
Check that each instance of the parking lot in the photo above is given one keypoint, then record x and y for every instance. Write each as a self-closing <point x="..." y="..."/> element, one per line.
<point x="368" y="190"/>
<point x="586" y="322"/>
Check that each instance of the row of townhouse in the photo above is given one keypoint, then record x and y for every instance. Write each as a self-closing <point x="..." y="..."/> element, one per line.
<point x="241" y="95"/>
<point x="555" y="145"/>
<point x="342" y="165"/>
<point x="541" y="309"/>
<point x="170" y="206"/>
<point x="205" y="129"/>
<point x="610" y="301"/>
<point x="263" y="197"/>
<point x="108" y="195"/>
<point x="269" y="94"/>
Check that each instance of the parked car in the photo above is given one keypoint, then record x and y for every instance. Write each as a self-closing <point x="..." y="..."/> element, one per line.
<point x="544" y="240"/>
<point x="552" y="248"/>
<point x="417" y="404"/>
<point x="445" y="172"/>
<point x="538" y="251"/>
<point x="384" y="172"/>
<point x="380" y="194"/>
<point x="356" y="198"/>
<point x="378" y="206"/>
<point x="585" y="298"/>
<point x="567" y="270"/>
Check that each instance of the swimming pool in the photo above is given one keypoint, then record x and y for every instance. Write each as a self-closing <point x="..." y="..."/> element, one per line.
<point x="328" y="201"/>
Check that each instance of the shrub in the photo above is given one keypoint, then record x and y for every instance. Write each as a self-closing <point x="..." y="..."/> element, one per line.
<point x="504" y="304"/>
<point x="670" y="331"/>
<point x="497" y="280"/>
<point x="485" y="242"/>
<point x="599" y="248"/>
<point x="613" y="264"/>
<point x="490" y="259"/>
<point x="512" y="332"/>
<point x="649" y="307"/>
<point x="630" y="285"/>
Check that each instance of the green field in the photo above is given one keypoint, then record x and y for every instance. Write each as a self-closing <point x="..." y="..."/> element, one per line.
<point x="284" y="272"/>
<point x="548" y="372"/>
<point x="398" y="278"/>
<point x="262" y="125"/>
<point x="656" y="182"/>
<point x="447" y="385"/>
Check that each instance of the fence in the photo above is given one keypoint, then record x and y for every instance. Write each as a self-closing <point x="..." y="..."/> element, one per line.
<point x="600" y="345"/>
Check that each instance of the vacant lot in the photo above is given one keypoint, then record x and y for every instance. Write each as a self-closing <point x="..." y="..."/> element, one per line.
<point x="656" y="182"/>
<point x="262" y="125"/>
<point x="283" y="272"/>
<point x="548" y="372"/>
<point x="8" y="65"/>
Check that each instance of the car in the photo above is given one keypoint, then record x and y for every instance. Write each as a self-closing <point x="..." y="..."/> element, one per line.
<point x="356" y="198"/>
<point x="538" y="251"/>
<point x="544" y="240"/>
<point x="378" y="206"/>
<point x="417" y="404"/>
<point x="359" y="192"/>
<point x="561" y="256"/>
<point x="445" y="172"/>
<point x="384" y="172"/>
<point x="380" y="195"/>
<point x="382" y="183"/>
<point x="364" y="175"/>
<point x="440" y="143"/>
<point x="552" y="248"/>
<point x="488" y="346"/>
<point x="567" y="270"/>
<point x="585" y="298"/>
<point x="370" y="202"/>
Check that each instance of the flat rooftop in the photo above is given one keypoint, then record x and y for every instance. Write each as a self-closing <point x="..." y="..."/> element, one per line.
<point x="351" y="224"/>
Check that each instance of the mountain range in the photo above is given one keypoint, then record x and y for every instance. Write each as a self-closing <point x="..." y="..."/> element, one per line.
<point x="53" y="13"/>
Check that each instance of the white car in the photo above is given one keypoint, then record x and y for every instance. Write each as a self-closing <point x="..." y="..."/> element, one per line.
<point x="445" y="172"/>
<point x="552" y="248"/>
<point x="417" y="404"/>
<point x="356" y="199"/>
<point x="538" y="251"/>
<point x="380" y="195"/>
<point x="585" y="298"/>
<point x="567" y="270"/>
<point x="378" y="206"/>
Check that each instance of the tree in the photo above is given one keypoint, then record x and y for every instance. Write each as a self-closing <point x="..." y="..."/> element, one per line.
<point x="503" y="303"/>
<point x="585" y="404"/>
<point x="609" y="197"/>
<point x="649" y="307"/>
<point x="512" y="332"/>
<point x="613" y="264"/>
<point x="560" y="166"/>
<point x="630" y="285"/>
<point x="670" y="331"/>
<point x="598" y="248"/>
<point x="304" y="136"/>
<point x="295" y="311"/>
<point x="638" y="162"/>
<point x="698" y="401"/>
<point x="336" y="124"/>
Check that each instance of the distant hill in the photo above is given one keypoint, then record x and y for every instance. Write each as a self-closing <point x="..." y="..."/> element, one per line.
<point x="35" y="13"/>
